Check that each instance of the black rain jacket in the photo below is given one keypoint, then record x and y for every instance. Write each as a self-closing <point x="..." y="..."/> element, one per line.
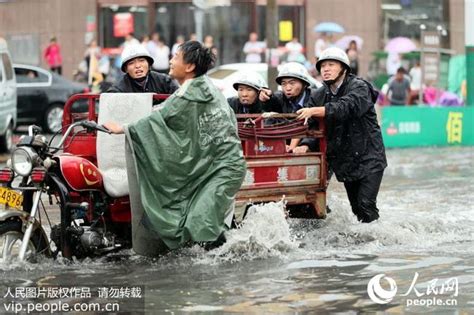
<point x="240" y="108"/>
<point x="156" y="83"/>
<point x="279" y="103"/>
<point x="355" y="147"/>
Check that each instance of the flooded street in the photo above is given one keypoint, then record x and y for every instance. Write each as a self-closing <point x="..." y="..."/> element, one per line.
<point x="421" y="249"/>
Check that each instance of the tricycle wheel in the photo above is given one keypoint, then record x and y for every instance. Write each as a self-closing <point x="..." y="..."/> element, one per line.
<point x="11" y="237"/>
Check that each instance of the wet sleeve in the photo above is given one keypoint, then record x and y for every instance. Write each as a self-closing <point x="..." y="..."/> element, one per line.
<point x="355" y="103"/>
<point x="272" y="105"/>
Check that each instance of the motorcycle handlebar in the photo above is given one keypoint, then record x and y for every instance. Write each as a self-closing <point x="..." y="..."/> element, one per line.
<point x="34" y="130"/>
<point x="88" y="124"/>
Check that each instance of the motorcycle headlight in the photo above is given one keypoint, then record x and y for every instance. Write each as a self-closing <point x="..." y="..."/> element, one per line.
<point x="23" y="159"/>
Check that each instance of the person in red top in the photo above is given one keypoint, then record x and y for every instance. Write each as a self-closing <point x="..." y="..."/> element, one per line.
<point x="52" y="55"/>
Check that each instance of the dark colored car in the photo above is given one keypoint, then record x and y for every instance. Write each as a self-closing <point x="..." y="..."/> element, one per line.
<point x="42" y="95"/>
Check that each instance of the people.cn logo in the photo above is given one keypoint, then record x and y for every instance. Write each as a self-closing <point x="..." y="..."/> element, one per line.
<point x="378" y="294"/>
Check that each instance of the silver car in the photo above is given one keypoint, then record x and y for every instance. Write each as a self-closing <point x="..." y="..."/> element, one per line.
<point x="8" y="99"/>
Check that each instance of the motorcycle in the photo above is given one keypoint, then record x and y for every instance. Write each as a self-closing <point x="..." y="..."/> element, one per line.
<point x="86" y="227"/>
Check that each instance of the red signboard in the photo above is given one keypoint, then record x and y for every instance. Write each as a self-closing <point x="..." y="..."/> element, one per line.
<point x="123" y="24"/>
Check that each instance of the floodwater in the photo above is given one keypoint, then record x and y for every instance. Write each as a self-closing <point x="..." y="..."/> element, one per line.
<point x="418" y="257"/>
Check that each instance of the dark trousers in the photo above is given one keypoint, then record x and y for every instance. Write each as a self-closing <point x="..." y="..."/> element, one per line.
<point x="362" y="195"/>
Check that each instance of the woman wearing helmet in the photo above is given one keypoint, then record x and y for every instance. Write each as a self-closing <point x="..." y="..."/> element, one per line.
<point x="355" y="149"/>
<point x="248" y="87"/>
<point x="136" y="63"/>
<point x="295" y="94"/>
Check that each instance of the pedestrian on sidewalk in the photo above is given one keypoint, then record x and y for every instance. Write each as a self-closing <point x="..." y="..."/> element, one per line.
<point x="53" y="57"/>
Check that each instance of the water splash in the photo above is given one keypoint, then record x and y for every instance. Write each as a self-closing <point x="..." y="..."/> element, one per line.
<point x="405" y="225"/>
<point x="265" y="232"/>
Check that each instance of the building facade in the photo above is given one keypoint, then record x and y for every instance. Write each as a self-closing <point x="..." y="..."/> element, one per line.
<point x="28" y="24"/>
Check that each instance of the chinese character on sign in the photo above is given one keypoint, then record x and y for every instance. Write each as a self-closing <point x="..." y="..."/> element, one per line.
<point x="454" y="127"/>
<point x="409" y="127"/>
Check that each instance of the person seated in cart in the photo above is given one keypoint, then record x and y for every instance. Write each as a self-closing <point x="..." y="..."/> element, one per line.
<point x="248" y="86"/>
<point x="295" y="94"/>
<point x="138" y="77"/>
<point x="188" y="160"/>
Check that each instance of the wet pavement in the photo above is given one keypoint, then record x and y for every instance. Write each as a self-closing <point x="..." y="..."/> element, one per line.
<point x="418" y="258"/>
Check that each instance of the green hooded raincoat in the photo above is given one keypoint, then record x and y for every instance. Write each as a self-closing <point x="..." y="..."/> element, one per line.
<point x="189" y="165"/>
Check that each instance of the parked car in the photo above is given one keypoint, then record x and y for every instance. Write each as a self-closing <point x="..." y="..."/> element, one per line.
<point x="42" y="95"/>
<point x="8" y="99"/>
<point x="224" y="76"/>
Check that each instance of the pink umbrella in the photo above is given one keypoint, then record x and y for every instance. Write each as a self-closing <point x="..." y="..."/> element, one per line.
<point x="344" y="41"/>
<point x="400" y="45"/>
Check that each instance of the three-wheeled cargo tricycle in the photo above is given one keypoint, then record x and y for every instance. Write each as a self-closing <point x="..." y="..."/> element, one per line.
<point x="93" y="221"/>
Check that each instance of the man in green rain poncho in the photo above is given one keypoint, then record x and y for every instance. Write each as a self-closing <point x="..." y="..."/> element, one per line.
<point x="188" y="161"/>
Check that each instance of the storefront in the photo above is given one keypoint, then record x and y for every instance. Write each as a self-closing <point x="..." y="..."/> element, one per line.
<point x="119" y="18"/>
<point x="228" y="22"/>
<point x="404" y="17"/>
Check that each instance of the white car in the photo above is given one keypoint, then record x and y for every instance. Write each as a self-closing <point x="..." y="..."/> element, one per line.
<point x="224" y="76"/>
<point x="8" y="99"/>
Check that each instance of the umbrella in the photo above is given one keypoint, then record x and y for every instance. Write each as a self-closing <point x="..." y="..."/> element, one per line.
<point x="328" y="27"/>
<point x="344" y="41"/>
<point x="400" y="45"/>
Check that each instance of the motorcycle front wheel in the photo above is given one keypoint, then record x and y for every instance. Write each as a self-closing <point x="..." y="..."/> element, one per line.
<point x="11" y="238"/>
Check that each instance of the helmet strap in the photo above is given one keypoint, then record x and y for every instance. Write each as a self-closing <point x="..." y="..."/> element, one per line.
<point x="141" y="79"/>
<point x="331" y="82"/>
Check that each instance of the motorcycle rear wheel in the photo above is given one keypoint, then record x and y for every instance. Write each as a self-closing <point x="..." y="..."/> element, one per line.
<point x="11" y="237"/>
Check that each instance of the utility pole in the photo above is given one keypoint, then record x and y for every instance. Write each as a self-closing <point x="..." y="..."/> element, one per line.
<point x="422" y="63"/>
<point x="272" y="42"/>
<point x="469" y="31"/>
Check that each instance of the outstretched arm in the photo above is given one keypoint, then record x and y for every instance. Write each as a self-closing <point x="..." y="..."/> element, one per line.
<point x="306" y="113"/>
<point x="114" y="127"/>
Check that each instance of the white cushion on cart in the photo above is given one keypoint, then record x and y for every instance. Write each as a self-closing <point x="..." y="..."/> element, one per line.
<point x="123" y="108"/>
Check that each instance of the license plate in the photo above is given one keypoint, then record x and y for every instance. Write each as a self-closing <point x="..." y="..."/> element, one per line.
<point x="10" y="197"/>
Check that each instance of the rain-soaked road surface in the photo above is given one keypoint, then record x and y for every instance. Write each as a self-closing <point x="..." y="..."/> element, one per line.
<point x="418" y="258"/>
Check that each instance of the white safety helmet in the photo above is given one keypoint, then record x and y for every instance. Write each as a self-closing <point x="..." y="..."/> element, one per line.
<point x="293" y="70"/>
<point x="252" y="79"/>
<point x="334" y="53"/>
<point x="135" y="51"/>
